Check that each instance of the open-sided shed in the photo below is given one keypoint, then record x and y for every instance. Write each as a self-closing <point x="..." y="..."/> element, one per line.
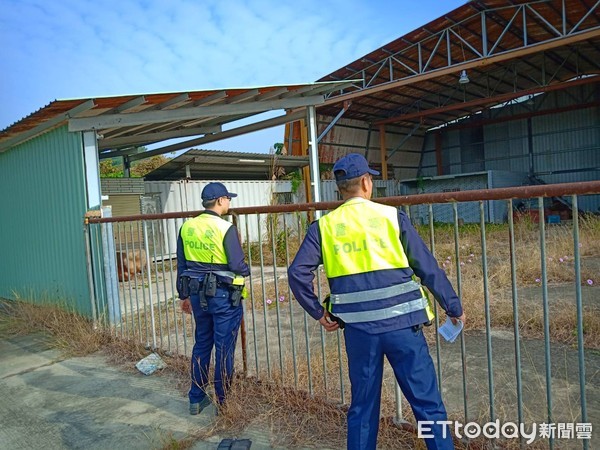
<point x="49" y="170"/>
<point x="491" y="85"/>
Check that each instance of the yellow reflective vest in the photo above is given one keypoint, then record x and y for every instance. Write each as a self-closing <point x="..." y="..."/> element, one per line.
<point x="358" y="237"/>
<point x="203" y="238"/>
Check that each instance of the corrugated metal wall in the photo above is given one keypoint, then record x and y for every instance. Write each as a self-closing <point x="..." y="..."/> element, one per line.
<point x="123" y="204"/>
<point x="178" y="196"/>
<point x="42" y="206"/>
<point x="562" y="147"/>
<point x="495" y="210"/>
<point x="184" y="195"/>
<point x="381" y="188"/>
<point x="354" y="136"/>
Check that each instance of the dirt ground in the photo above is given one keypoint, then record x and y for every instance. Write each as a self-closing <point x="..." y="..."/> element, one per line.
<point x="282" y="333"/>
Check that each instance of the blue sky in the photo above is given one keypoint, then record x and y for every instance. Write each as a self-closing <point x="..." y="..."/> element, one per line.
<point x="57" y="49"/>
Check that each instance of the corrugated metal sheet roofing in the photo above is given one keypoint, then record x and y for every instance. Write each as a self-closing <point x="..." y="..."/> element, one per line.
<point x="216" y="165"/>
<point x="249" y="101"/>
<point x="507" y="46"/>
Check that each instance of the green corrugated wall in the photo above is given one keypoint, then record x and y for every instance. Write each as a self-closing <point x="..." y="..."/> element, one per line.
<point x="42" y="204"/>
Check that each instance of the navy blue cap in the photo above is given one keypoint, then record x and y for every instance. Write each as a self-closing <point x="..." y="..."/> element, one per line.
<point x="213" y="191"/>
<point x="353" y="165"/>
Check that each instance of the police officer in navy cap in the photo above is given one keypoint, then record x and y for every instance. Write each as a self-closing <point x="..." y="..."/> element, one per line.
<point x="210" y="269"/>
<point x="370" y="253"/>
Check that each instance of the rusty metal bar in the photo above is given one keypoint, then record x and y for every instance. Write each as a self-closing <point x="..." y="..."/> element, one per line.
<point x="546" y="190"/>
<point x="463" y="351"/>
<point x="546" y="309"/>
<point x="243" y="337"/>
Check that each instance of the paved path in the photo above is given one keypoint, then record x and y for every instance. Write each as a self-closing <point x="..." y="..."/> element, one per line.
<point x="49" y="402"/>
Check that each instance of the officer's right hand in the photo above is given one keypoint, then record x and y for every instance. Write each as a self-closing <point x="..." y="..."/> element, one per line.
<point x="329" y="326"/>
<point x="462" y="318"/>
<point x="186" y="305"/>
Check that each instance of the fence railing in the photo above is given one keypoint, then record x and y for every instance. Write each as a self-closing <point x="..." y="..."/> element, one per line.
<point x="528" y="288"/>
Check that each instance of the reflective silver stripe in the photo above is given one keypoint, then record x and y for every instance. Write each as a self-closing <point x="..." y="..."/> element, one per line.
<point x="386" y="313"/>
<point x="375" y="294"/>
<point x="224" y="273"/>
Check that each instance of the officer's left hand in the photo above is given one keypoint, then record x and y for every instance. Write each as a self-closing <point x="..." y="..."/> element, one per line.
<point x="329" y="326"/>
<point x="186" y="305"/>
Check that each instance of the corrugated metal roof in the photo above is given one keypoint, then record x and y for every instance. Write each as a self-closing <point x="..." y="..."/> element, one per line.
<point x="507" y="47"/>
<point x="131" y="120"/>
<point x="221" y="165"/>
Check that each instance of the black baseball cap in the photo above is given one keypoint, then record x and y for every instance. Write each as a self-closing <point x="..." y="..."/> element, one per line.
<point x="216" y="190"/>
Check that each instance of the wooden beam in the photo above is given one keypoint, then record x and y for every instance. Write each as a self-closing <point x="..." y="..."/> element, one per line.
<point x="383" y="151"/>
<point x="438" y="152"/>
<point x="488" y="100"/>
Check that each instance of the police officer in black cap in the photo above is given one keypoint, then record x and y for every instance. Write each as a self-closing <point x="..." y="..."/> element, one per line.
<point x="210" y="264"/>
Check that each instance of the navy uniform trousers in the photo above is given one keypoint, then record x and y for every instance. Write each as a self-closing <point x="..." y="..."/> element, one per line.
<point x="218" y="327"/>
<point x="408" y="354"/>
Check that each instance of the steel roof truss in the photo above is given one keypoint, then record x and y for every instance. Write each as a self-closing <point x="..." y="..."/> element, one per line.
<point x="592" y="9"/>
<point x="100" y="122"/>
<point x="174" y="102"/>
<point x="507" y="27"/>
<point x="381" y="66"/>
<point x="131" y="104"/>
<point x="530" y="13"/>
<point x="139" y="129"/>
<point x="544" y="20"/>
<point x="334" y="121"/>
<point x="217" y="97"/>
<point x="272" y="94"/>
<point x="268" y="123"/>
<point x="155" y="137"/>
<point x="201" y="121"/>
<point x="433" y="52"/>
<point x="561" y="65"/>
<point x="242" y="97"/>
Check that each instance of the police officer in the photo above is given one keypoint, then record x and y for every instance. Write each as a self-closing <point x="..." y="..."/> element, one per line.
<point x="209" y="259"/>
<point x="370" y="253"/>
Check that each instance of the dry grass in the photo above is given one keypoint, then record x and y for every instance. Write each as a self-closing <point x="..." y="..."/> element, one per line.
<point x="295" y="418"/>
<point x="560" y="275"/>
<point x="74" y="335"/>
<point x="292" y="417"/>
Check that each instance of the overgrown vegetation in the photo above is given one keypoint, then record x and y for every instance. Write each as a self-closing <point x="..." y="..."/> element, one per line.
<point x="559" y="262"/>
<point x="295" y="418"/>
<point x="113" y="167"/>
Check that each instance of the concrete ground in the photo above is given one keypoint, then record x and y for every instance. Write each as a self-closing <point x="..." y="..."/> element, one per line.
<point x="51" y="402"/>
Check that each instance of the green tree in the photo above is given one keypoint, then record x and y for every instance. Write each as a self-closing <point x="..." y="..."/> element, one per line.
<point x="145" y="166"/>
<point x="110" y="168"/>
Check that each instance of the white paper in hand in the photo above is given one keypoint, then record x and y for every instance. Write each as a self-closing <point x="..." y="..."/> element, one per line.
<point x="449" y="331"/>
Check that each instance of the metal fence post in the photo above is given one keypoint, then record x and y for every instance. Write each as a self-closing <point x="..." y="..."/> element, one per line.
<point x="110" y="270"/>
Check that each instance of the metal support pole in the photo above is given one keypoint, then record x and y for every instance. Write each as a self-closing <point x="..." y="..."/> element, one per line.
<point x="150" y="297"/>
<point x="126" y="166"/>
<point x="88" y="257"/>
<point x="398" y="418"/>
<point x="334" y="121"/>
<point x="110" y="270"/>
<point x="314" y="157"/>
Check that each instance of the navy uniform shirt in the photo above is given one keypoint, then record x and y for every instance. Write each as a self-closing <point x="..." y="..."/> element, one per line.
<point x="301" y="272"/>
<point x="233" y="250"/>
